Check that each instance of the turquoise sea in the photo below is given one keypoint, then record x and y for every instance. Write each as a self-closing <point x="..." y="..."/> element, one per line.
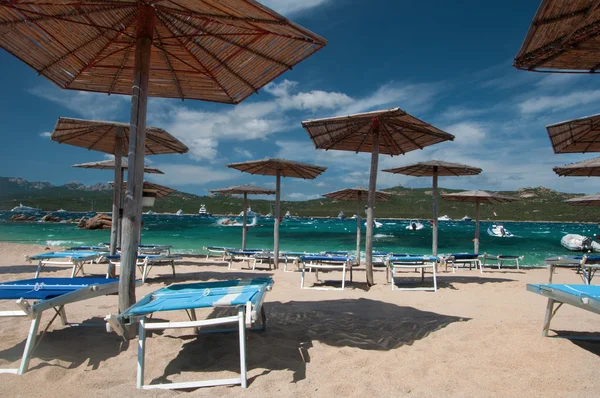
<point x="189" y="233"/>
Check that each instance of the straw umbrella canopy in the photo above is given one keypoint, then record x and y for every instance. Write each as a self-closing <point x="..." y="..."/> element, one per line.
<point x="587" y="200"/>
<point x="115" y="239"/>
<point x="113" y="138"/>
<point x="357" y="194"/>
<point x="478" y="197"/>
<point x="435" y="169"/>
<point x="562" y="37"/>
<point x="213" y="50"/>
<point x="160" y="190"/>
<point x="244" y="190"/>
<point x="278" y="168"/>
<point x="586" y="168"/>
<point x="576" y="136"/>
<point x="390" y="132"/>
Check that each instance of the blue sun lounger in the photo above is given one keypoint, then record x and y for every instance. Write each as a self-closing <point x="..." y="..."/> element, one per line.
<point x="48" y="293"/>
<point x="586" y="297"/>
<point x="463" y="258"/>
<point x="245" y="295"/>
<point x="145" y="262"/>
<point x="586" y="265"/>
<point x="76" y="259"/>
<point x="327" y="263"/>
<point x="411" y="262"/>
<point x="501" y="259"/>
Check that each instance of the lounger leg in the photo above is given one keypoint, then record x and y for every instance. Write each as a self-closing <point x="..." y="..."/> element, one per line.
<point x="242" y="326"/>
<point x="141" y="352"/>
<point x="63" y="315"/>
<point x="30" y="344"/>
<point x="551" y="268"/>
<point x="302" y="277"/>
<point x="230" y="263"/>
<point x="173" y="267"/>
<point x="434" y="279"/>
<point x="518" y="267"/>
<point x="343" y="276"/>
<point x="392" y="276"/>
<point x="548" y="318"/>
<point x="39" y="268"/>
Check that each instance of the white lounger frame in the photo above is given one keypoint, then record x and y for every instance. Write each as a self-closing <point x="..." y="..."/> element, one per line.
<point x="500" y="260"/>
<point x="77" y="264"/>
<point x="325" y="265"/>
<point x="34" y="312"/>
<point x="391" y="267"/>
<point x="247" y="315"/>
<point x="454" y="262"/>
<point x="587" y="270"/>
<point x="147" y="263"/>
<point x="221" y="252"/>
<point x="248" y="258"/>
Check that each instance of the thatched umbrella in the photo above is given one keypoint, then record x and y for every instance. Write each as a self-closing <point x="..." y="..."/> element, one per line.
<point x="435" y="169"/>
<point x="213" y="50"/>
<point x="279" y="168"/>
<point x="357" y="194"/>
<point x="115" y="233"/>
<point x="585" y="168"/>
<point x="587" y="200"/>
<point x="400" y="133"/>
<point x="244" y="190"/>
<point x="576" y="136"/>
<point x="113" y="138"/>
<point x="478" y="197"/>
<point x="154" y="190"/>
<point x="562" y="37"/>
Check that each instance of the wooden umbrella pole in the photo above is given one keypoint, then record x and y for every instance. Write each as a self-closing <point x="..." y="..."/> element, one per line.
<point x="476" y="240"/>
<point x="277" y="215"/>
<point x="244" y="226"/>
<point x="358" y="230"/>
<point x="132" y="215"/>
<point x="434" y="230"/>
<point x="120" y="210"/>
<point x="370" y="210"/>
<point x="116" y="205"/>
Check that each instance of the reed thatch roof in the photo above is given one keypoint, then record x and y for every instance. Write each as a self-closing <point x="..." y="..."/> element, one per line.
<point x="478" y="196"/>
<point x="244" y="189"/>
<point x="101" y="136"/>
<point x="353" y="194"/>
<point x="212" y="50"/>
<point x="287" y="168"/>
<point x="588" y="200"/>
<point x="586" y="168"/>
<point x="110" y="165"/>
<point x="435" y="167"/>
<point x="576" y="136"/>
<point x="564" y="36"/>
<point x="400" y="132"/>
<point x="161" y="190"/>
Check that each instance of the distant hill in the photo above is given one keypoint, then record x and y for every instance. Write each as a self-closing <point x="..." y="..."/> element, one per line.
<point x="536" y="204"/>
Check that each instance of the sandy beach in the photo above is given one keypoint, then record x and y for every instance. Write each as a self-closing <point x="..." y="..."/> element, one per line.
<point x="479" y="334"/>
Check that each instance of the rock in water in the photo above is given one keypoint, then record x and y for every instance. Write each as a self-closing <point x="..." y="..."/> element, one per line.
<point x="100" y="221"/>
<point x="50" y="218"/>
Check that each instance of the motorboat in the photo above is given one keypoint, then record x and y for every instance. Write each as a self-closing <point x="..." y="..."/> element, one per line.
<point x="353" y="217"/>
<point x="179" y="212"/>
<point x="466" y="218"/>
<point x="288" y="214"/>
<point x="61" y="211"/>
<point x="270" y="215"/>
<point x="25" y="209"/>
<point x="376" y="224"/>
<point x="499" y="231"/>
<point x="415" y="225"/>
<point x="203" y="212"/>
<point x="341" y="215"/>
<point x="149" y="212"/>
<point x="249" y="213"/>
<point x="444" y="218"/>
<point x="579" y="243"/>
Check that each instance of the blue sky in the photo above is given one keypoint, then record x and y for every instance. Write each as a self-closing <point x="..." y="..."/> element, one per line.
<point x="448" y="63"/>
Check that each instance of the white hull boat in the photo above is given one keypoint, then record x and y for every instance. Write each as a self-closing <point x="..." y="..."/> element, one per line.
<point x="25" y="209"/>
<point x="376" y="224"/>
<point x="499" y="231"/>
<point x="414" y="225"/>
<point x="466" y="218"/>
<point x="578" y="243"/>
<point x="179" y="212"/>
<point x="444" y="218"/>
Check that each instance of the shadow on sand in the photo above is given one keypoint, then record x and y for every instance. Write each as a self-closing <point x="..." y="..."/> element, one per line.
<point x="204" y="276"/>
<point x="94" y="345"/>
<point x="29" y="269"/>
<point x="294" y="326"/>
<point x="449" y="281"/>
<point x="587" y="340"/>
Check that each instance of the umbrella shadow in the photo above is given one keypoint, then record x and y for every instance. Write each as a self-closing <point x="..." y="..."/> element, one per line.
<point x="587" y="340"/>
<point x="294" y="326"/>
<point x="29" y="269"/>
<point x="204" y="276"/>
<point x="71" y="347"/>
<point x="449" y="281"/>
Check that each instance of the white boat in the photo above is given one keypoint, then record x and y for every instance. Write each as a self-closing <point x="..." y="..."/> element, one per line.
<point x="353" y="217"/>
<point x="149" y="212"/>
<point x="269" y="215"/>
<point x="203" y="212"/>
<point x="179" y="212"/>
<point x="341" y="215"/>
<point x="376" y="224"/>
<point x="249" y="213"/>
<point x="499" y="231"/>
<point x="61" y="211"/>
<point x="25" y="209"/>
<point x="578" y="243"/>
<point x="415" y="225"/>
<point x="466" y="218"/>
<point x="288" y="214"/>
<point x="230" y="222"/>
<point x="444" y="218"/>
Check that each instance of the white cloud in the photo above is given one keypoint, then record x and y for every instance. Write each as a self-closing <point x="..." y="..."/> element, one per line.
<point x="243" y="152"/>
<point x="46" y="134"/>
<point x="559" y="102"/>
<point x="291" y="6"/>
<point x="301" y="196"/>
<point x="108" y="156"/>
<point x="467" y="133"/>
<point x="187" y="174"/>
<point x="312" y="100"/>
